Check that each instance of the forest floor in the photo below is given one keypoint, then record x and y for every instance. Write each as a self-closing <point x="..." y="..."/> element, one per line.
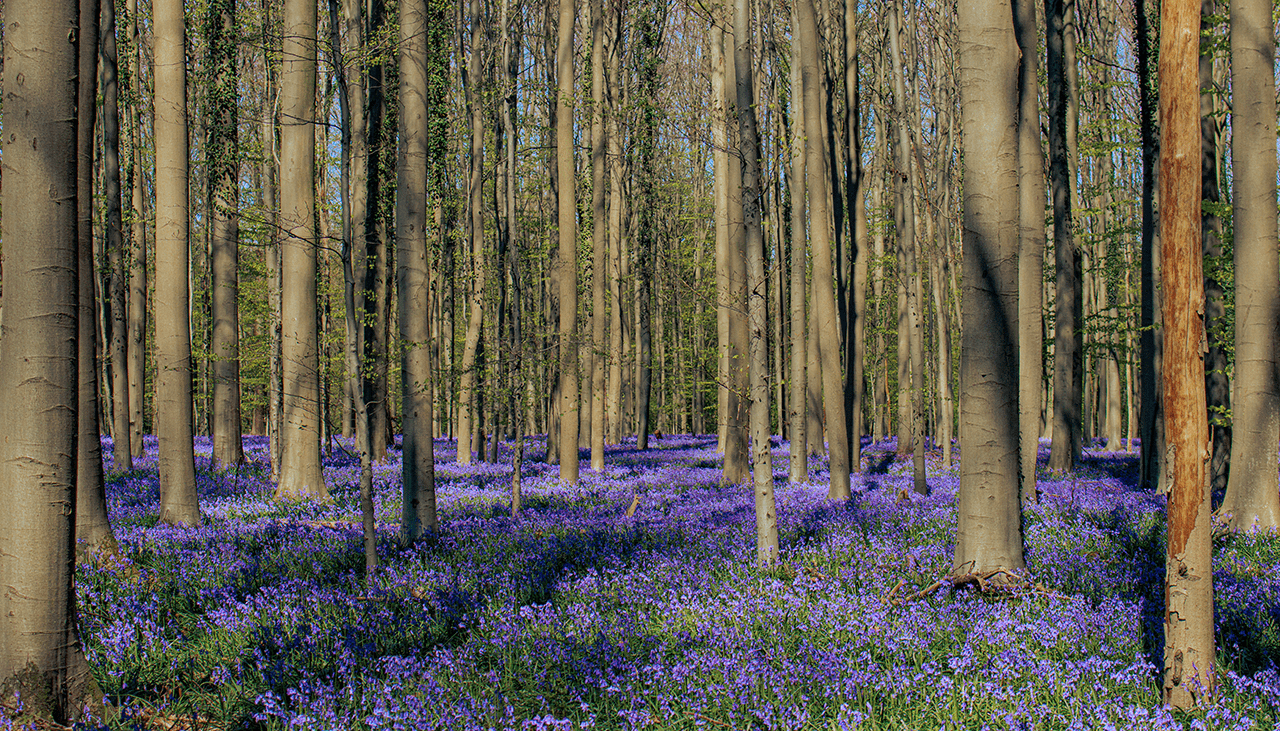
<point x="577" y="616"/>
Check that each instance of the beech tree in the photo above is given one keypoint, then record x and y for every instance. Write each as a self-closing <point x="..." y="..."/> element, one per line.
<point x="989" y="529"/>
<point x="1030" y="245"/>
<point x="1253" y="496"/>
<point x="119" y="343"/>
<point x="567" y="258"/>
<point x="174" y="409"/>
<point x="300" y="476"/>
<point x="223" y="162"/>
<point x="419" y="510"/>
<point x="41" y="659"/>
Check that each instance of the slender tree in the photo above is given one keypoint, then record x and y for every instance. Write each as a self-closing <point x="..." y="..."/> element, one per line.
<point x="1067" y="339"/>
<point x="223" y="163"/>
<point x="119" y="341"/>
<point x="798" y="398"/>
<point x="1189" y="675"/>
<point x="749" y="189"/>
<point x="599" y="240"/>
<point x="989" y="529"/>
<point x="419" y="514"/>
<point x="41" y="660"/>
<point x="300" y="476"/>
<point x="1030" y="246"/>
<point x="567" y="264"/>
<point x="174" y="417"/>
<point x="1253" y="499"/>
<point x="467" y="380"/>
<point x="826" y="325"/>
<point x="137" y="306"/>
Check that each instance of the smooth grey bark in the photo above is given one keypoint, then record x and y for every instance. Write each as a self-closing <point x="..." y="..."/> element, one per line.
<point x="599" y="240"/>
<point x="92" y="529"/>
<point x="467" y="379"/>
<point x="119" y="318"/>
<point x="749" y="187"/>
<point x="1253" y="497"/>
<point x="271" y="252"/>
<point x="300" y="475"/>
<point x="826" y="326"/>
<point x="908" y="245"/>
<point x="1068" y="321"/>
<point x="173" y="321"/>
<point x="798" y="401"/>
<point x="614" y="406"/>
<point x="223" y="163"/>
<point x="567" y="264"/>
<point x="416" y="385"/>
<point x="720" y="166"/>
<point x="855" y="347"/>
<point x="1031" y="238"/>
<point x="376" y="268"/>
<point x="41" y="660"/>
<point x="737" y="460"/>
<point x="989" y="528"/>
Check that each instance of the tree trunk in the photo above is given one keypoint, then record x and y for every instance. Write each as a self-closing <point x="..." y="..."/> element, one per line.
<point x="120" y="431"/>
<point x="599" y="242"/>
<point x="1151" y="430"/>
<point x="41" y="660"/>
<point x="1189" y="675"/>
<point x="223" y="162"/>
<point x="614" y="409"/>
<point x="92" y="529"/>
<point x="826" y="322"/>
<point x="1030" y="247"/>
<point x="376" y="258"/>
<point x="137" y="335"/>
<point x="567" y="264"/>
<point x="749" y="149"/>
<point x="855" y="348"/>
<point x="300" y="476"/>
<point x="648" y="29"/>
<point x="1252" y="498"/>
<point x="911" y="274"/>
<point x="475" y="230"/>
<point x="799" y="268"/>
<point x="271" y="253"/>
<point x="173" y="324"/>
<point x="1067" y="342"/>
<point x="989" y="530"/>
<point x="416" y="387"/>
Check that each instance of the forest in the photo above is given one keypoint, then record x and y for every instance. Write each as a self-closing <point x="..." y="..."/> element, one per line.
<point x="639" y="364"/>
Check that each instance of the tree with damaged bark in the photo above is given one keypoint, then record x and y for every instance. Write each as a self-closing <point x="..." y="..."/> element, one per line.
<point x="1189" y="659"/>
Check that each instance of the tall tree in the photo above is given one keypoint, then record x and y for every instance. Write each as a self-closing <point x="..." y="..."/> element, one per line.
<point x="467" y="390"/>
<point x="41" y="660"/>
<point x="855" y="347"/>
<point x="1189" y="674"/>
<point x="567" y="258"/>
<point x="119" y="341"/>
<point x="1216" y="365"/>
<point x="137" y="346"/>
<point x="599" y="240"/>
<point x="1253" y="498"/>
<point x="419" y="513"/>
<point x="798" y="398"/>
<point x="1151" y="429"/>
<point x="1067" y="339"/>
<point x="908" y="244"/>
<point x="989" y="529"/>
<point x="1030" y="245"/>
<point x="749" y="189"/>
<point x="173" y="320"/>
<point x="223" y="172"/>
<point x="93" y="532"/>
<point x="825" y="320"/>
<point x="300" y="476"/>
